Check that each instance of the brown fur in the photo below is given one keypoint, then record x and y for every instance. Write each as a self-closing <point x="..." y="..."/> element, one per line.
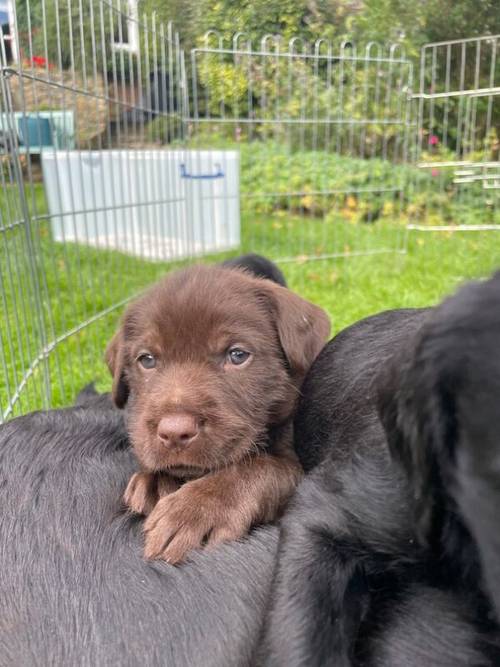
<point x="240" y="468"/>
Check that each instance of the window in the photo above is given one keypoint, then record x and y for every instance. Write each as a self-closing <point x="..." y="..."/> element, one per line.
<point x="7" y="30"/>
<point x="126" y="29"/>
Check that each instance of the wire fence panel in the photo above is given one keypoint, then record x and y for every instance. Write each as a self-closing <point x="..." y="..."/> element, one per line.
<point x="459" y="136"/>
<point x="89" y="100"/>
<point x="319" y="129"/>
<point x="124" y="155"/>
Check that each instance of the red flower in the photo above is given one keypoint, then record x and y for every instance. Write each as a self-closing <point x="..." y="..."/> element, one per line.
<point x="433" y="140"/>
<point x="40" y="61"/>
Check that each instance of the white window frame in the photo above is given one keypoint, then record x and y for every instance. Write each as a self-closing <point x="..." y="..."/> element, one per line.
<point x="8" y="7"/>
<point x="132" y="45"/>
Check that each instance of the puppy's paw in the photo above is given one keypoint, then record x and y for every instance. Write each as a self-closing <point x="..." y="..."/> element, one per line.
<point x="141" y="494"/>
<point x="188" y="519"/>
<point x="145" y="489"/>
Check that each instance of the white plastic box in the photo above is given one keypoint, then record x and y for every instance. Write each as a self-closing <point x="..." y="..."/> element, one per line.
<point x="156" y="204"/>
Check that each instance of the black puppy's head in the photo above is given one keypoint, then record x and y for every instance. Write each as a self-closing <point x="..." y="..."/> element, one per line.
<point x="257" y="265"/>
<point x="442" y="394"/>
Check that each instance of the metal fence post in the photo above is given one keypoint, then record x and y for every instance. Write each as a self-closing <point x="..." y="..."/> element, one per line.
<point x="32" y="261"/>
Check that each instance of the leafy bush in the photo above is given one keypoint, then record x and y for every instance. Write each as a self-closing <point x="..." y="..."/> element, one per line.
<point x="318" y="183"/>
<point x="360" y="190"/>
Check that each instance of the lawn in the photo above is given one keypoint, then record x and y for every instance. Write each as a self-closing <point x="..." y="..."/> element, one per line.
<point x="77" y="284"/>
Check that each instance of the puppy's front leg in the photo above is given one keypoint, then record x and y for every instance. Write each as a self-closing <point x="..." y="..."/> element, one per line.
<point x="221" y="506"/>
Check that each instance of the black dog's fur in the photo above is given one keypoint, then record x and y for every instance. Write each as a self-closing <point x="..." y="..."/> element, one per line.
<point x="390" y="554"/>
<point x="259" y="266"/>
<point x="74" y="588"/>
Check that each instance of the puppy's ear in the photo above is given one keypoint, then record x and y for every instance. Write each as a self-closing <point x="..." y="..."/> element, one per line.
<point x="115" y="359"/>
<point x="416" y="404"/>
<point x="303" y="328"/>
<point x="400" y="411"/>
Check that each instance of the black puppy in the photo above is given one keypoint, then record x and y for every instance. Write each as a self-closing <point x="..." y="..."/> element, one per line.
<point x="399" y="429"/>
<point x="74" y="587"/>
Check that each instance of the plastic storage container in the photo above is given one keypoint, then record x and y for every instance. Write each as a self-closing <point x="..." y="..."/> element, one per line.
<point x="36" y="132"/>
<point x="155" y="204"/>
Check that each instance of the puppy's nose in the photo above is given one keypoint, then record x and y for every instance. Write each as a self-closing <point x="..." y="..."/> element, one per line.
<point x="177" y="430"/>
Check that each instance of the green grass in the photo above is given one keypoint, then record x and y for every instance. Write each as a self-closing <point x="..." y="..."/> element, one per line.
<point x="432" y="268"/>
<point x="77" y="283"/>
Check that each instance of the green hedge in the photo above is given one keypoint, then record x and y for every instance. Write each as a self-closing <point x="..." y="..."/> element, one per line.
<point x="361" y="190"/>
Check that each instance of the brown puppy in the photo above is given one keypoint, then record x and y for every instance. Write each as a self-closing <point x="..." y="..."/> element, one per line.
<point x="210" y="361"/>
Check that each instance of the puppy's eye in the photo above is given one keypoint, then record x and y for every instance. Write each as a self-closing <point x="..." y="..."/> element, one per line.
<point x="237" y="356"/>
<point x="146" y="360"/>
